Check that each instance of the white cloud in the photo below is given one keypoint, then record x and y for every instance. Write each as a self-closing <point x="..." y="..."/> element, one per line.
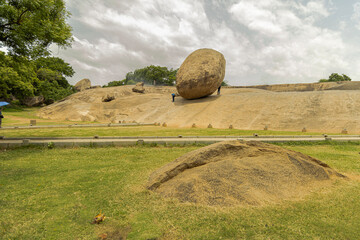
<point x="356" y="15"/>
<point x="256" y="16"/>
<point x="292" y="45"/>
<point x="265" y="41"/>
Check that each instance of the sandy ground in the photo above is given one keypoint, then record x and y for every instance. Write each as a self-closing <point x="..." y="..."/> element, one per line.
<point x="245" y="108"/>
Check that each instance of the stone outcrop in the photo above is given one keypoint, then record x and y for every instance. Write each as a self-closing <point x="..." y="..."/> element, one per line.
<point x="139" y="88"/>
<point x="307" y="87"/>
<point x="83" y="85"/>
<point x="34" y="101"/>
<point x="200" y="74"/>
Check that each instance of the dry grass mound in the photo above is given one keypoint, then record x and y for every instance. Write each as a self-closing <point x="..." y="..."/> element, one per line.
<point x="237" y="172"/>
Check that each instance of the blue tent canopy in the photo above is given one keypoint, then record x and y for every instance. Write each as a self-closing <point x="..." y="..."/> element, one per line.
<point x="3" y="104"/>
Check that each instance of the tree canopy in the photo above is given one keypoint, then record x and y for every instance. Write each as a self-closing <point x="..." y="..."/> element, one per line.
<point x="29" y="27"/>
<point x="22" y="78"/>
<point x="153" y="75"/>
<point x="335" y="77"/>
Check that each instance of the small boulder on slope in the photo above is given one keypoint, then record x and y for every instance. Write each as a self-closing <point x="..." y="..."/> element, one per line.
<point x="82" y="85"/>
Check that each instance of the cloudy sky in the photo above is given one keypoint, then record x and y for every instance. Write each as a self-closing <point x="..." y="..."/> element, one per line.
<point x="263" y="41"/>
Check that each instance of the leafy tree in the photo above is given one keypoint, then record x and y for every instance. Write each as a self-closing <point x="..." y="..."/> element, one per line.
<point x="346" y="78"/>
<point x="55" y="64"/>
<point x="116" y="83"/>
<point x="153" y="75"/>
<point x="29" y="27"/>
<point x="11" y="84"/>
<point x="22" y="78"/>
<point x="17" y="77"/>
<point x="335" y="77"/>
<point x="52" y="84"/>
<point x="54" y="69"/>
<point x="52" y="91"/>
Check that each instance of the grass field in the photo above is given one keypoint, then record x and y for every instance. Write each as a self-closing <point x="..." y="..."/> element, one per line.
<point x="137" y="131"/>
<point x="55" y="193"/>
<point x="22" y="117"/>
<point x="17" y="116"/>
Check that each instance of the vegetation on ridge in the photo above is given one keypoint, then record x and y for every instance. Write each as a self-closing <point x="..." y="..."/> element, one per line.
<point x="335" y="77"/>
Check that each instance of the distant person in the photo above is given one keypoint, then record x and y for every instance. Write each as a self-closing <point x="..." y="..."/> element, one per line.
<point x="218" y="93"/>
<point x="1" y="116"/>
<point x="173" y="97"/>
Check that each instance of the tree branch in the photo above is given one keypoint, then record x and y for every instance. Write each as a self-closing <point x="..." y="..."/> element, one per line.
<point x="17" y="22"/>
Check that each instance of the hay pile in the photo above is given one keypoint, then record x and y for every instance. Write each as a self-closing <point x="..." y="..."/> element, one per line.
<point x="236" y="172"/>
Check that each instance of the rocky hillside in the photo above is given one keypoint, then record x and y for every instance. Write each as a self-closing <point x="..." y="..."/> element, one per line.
<point x="301" y="87"/>
<point x="245" y="108"/>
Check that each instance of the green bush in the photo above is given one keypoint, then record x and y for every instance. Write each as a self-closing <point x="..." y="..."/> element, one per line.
<point x="335" y="77"/>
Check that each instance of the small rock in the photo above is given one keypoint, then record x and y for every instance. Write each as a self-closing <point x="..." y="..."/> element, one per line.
<point x="82" y="85"/>
<point x="139" y="88"/>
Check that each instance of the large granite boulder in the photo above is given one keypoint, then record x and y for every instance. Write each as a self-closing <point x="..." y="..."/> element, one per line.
<point x="200" y="74"/>
<point x="139" y="88"/>
<point x="83" y="85"/>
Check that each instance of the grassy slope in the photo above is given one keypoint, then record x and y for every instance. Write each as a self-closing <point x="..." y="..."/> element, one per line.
<point x="21" y="117"/>
<point x="53" y="194"/>
<point x="16" y="116"/>
<point x="137" y="131"/>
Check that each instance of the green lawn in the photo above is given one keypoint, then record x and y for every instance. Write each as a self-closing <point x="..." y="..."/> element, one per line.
<point x="18" y="116"/>
<point x="55" y="193"/>
<point x="22" y="117"/>
<point x="137" y="131"/>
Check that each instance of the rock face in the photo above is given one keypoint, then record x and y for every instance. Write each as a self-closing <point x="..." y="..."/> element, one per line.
<point x="304" y="87"/>
<point x="34" y="101"/>
<point x="237" y="172"/>
<point x="200" y="74"/>
<point x="83" y="85"/>
<point x="139" y="88"/>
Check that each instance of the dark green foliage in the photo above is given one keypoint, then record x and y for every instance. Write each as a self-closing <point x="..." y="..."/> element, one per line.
<point x="52" y="91"/>
<point x="116" y="83"/>
<point x="29" y="27"/>
<point x="154" y="75"/>
<point x="55" y="64"/>
<point x="224" y="83"/>
<point x="346" y="78"/>
<point x="334" y="77"/>
<point x="17" y="77"/>
<point x="22" y="78"/>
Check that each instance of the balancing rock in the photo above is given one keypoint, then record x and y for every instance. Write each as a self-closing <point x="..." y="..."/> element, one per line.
<point x="200" y="74"/>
